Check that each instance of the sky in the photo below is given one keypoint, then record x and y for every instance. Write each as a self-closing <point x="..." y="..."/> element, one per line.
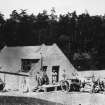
<point x="94" y="7"/>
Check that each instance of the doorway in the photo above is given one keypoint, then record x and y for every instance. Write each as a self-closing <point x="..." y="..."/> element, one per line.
<point x="55" y="74"/>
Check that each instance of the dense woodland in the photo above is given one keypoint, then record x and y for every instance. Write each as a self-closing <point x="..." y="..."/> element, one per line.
<point x="81" y="37"/>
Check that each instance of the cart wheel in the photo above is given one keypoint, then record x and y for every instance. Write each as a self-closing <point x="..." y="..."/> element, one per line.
<point x="65" y="86"/>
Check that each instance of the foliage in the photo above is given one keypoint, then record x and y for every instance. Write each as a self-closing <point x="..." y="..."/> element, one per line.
<point x="82" y="34"/>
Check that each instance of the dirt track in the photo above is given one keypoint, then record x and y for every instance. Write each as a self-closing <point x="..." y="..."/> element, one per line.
<point x="57" y="97"/>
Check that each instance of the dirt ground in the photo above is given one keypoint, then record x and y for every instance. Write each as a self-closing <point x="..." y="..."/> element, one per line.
<point x="59" y="98"/>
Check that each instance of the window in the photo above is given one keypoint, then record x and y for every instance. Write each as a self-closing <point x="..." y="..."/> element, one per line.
<point x="27" y="63"/>
<point x="44" y="68"/>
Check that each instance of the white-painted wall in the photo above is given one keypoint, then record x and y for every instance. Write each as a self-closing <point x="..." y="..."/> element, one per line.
<point x="10" y="60"/>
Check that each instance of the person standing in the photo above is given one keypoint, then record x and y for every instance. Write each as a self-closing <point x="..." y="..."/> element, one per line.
<point x="54" y="77"/>
<point x="38" y="79"/>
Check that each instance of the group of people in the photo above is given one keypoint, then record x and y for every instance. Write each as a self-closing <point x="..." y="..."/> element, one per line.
<point x="96" y="86"/>
<point x="42" y="78"/>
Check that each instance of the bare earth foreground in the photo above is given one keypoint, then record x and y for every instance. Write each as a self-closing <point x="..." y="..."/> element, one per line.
<point x="51" y="98"/>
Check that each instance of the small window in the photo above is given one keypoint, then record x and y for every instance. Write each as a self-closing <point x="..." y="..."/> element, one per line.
<point x="27" y="63"/>
<point x="55" y="68"/>
<point x="44" y="68"/>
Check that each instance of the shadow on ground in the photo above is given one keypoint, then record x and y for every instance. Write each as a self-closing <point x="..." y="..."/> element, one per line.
<point x="13" y="100"/>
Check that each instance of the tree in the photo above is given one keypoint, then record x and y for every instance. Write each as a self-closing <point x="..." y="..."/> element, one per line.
<point x="70" y="31"/>
<point x="2" y="39"/>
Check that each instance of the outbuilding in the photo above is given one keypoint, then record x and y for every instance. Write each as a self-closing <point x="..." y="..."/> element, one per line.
<point x="29" y="60"/>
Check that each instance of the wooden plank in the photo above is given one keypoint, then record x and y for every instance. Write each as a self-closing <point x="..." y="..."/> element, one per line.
<point x="45" y="87"/>
<point x="5" y="72"/>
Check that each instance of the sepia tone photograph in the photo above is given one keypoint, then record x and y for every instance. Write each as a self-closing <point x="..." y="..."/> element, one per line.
<point x="52" y="52"/>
